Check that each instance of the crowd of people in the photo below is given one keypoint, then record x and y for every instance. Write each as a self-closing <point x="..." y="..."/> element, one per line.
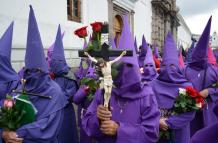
<point x="145" y="88"/>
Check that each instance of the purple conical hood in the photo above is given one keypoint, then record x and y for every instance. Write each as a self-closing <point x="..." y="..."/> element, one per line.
<point x="144" y="47"/>
<point x="127" y="42"/>
<point x="156" y="54"/>
<point x="149" y="57"/>
<point x="58" y="53"/>
<point x="7" y="73"/>
<point x="199" y="55"/>
<point x="6" y="42"/>
<point x="58" y="63"/>
<point x="170" y="71"/>
<point x="35" y="57"/>
<point x="190" y="51"/>
<point x="136" y="46"/>
<point x="170" y="53"/>
<point x="112" y="43"/>
<point x="51" y="48"/>
<point x="129" y="77"/>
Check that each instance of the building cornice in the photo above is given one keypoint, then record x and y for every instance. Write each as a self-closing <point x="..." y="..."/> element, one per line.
<point x="129" y="5"/>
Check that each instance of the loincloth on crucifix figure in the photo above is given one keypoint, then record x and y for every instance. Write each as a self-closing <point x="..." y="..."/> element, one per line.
<point x="106" y="81"/>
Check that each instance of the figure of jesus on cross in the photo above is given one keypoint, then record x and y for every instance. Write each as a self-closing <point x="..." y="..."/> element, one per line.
<point x="105" y="67"/>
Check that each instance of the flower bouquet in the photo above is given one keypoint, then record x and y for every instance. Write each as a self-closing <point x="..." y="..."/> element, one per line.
<point x="16" y="112"/>
<point x="188" y="100"/>
<point x="96" y="35"/>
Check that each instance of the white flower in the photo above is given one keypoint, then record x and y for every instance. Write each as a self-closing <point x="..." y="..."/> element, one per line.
<point x="182" y="91"/>
<point x="199" y="105"/>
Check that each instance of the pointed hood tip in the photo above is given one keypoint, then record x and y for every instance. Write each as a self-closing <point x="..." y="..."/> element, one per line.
<point x="35" y="57"/>
<point x="200" y="52"/>
<point x="58" y="46"/>
<point x="6" y="41"/>
<point x="170" y="52"/>
<point x="149" y="57"/>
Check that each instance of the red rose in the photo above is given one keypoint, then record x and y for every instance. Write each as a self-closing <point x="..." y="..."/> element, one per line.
<point x="8" y="103"/>
<point x="52" y="75"/>
<point x="96" y="26"/>
<point x="81" y="32"/>
<point x="192" y="92"/>
<point x="199" y="100"/>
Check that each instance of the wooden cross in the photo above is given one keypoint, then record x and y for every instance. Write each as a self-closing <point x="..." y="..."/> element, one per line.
<point x="23" y="91"/>
<point x="105" y="52"/>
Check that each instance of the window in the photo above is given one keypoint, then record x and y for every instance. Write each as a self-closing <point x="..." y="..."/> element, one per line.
<point x="74" y="10"/>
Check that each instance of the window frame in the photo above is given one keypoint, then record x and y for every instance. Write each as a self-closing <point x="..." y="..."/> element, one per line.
<point x="70" y="14"/>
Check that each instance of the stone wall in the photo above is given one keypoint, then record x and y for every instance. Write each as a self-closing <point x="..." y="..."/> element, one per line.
<point x="164" y="19"/>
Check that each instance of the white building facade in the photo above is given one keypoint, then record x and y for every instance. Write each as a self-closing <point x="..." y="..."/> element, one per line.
<point x="50" y="13"/>
<point x="73" y="14"/>
<point x="184" y="34"/>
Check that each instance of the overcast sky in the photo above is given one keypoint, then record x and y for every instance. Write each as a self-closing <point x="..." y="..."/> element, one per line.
<point x="197" y="12"/>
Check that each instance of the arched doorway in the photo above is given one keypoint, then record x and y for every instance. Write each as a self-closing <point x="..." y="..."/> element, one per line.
<point x="117" y="28"/>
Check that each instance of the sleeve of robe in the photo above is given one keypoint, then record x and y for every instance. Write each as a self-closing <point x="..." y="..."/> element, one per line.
<point x="213" y="92"/>
<point x="145" y="132"/>
<point x="180" y="121"/>
<point x="43" y="130"/>
<point x="90" y="122"/>
<point x="80" y="95"/>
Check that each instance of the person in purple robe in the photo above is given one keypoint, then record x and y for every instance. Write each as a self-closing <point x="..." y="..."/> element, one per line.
<point x="142" y="54"/>
<point x="9" y="79"/>
<point x="49" y="111"/>
<point x="207" y="134"/>
<point x="83" y="66"/>
<point x="83" y="101"/>
<point x="64" y="77"/>
<point x="149" y="72"/>
<point x="50" y="51"/>
<point x="166" y="88"/>
<point x="133" y="115"/>
<point x="203" y="75"/>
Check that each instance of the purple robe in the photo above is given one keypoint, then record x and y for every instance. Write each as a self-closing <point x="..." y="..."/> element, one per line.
<point x="133" y="105"/>
<point x="49" y="117"/>
<point x="65" y="79"/>
<point x="166" y="94"/>
<point x="80" y="98"/>
<point x="202" y="79"/>
<point x="207" y="134"/>
<point x="50" y="111"/>
<point x="166" y="89"/>
<point x="138" y="121"/>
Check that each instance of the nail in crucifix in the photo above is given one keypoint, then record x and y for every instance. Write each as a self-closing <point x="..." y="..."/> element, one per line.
<point x="105" y="65"/>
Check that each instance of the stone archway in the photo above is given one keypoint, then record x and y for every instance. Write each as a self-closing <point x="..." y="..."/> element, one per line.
<point x="117" y="28"/>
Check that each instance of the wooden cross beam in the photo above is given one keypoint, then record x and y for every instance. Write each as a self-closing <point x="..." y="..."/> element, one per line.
<point x="23" y="91"/>
<point x="105" y="52"/>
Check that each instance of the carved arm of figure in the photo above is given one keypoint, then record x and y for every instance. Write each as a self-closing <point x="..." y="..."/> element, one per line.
<point x="118" y="58"/>
<point x="90" y="57"/>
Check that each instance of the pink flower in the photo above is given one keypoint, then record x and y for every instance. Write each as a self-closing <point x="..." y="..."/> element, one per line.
<point x="8" y="103"/>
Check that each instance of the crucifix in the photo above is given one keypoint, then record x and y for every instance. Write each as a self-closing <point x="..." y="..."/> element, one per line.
<point x="23" y="91"/>
<point x="105" y="65"/>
